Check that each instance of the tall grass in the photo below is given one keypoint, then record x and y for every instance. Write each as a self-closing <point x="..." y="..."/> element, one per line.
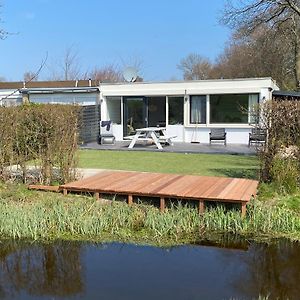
<point x="86" y="219"/>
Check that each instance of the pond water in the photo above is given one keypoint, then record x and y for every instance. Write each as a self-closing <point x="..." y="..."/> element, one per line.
<point x="65" y="270"/>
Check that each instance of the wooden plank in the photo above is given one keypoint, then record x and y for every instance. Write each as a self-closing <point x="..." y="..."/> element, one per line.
<point x="166" y="183"/>
<point x="49" y="188"/>
<point x="243" y="209"/>
<point x="201" y="206"/>
<point x="209" y="193"/>
<point x="167" y="186"/>
<point x="65" y="192"/>
<point x="237" y="190"/>
<point x="87" y="179"/>
<point x="130" y="200"/>
<point x="155" y="184"/>
<point x="197" y="187"/>
<point x="250" y="191"/>
<point x="101" y="182"/>
<point x="177" y="187"/>
<point x="162" y="204"/>
<point x="134" y="184"/>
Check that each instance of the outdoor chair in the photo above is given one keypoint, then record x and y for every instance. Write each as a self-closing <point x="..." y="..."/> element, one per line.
<point x="217" y="134"/>
<point x="106" y="135"/>
<point x="257" y="135"/>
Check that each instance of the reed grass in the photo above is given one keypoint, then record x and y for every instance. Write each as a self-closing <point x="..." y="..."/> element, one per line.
<point x="47" y="216"/>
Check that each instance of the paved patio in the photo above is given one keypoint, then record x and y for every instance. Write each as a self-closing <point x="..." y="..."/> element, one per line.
<point x="234" y="149"/>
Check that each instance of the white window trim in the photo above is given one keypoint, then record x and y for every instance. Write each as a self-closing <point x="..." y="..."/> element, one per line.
<point x="167" y="109"/>
<point x="188" y="124"/>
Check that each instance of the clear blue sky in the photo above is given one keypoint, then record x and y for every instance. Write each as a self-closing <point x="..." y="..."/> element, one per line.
<point x="159" y="33"/>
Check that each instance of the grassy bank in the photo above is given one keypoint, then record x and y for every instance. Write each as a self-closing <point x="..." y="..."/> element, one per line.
<point x="165" y="162"/>
<point x="46" y="216"/>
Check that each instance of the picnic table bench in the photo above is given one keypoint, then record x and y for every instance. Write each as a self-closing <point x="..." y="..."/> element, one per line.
<point x="156" y="135"/>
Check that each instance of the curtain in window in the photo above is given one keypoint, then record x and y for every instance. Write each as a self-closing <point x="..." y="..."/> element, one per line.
<point x="198" y="109"/>
<point x="253" y="108"/>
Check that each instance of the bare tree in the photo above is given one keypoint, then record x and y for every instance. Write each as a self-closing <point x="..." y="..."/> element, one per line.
<point x="283" y="16"/>
<point x="70" y="65"/>
<point x="66" y="68"/>
<point x="34" y="75"/>
<point x="262" y="53"/>
<point x="195" y="67"/>
<point x="30" y="76"/>
<point x="108" y="73"/>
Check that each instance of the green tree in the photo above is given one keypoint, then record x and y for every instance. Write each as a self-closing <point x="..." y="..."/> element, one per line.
<point x="281" y="17"/>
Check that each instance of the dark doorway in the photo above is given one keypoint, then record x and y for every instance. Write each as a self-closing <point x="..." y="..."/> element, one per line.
<point x="135" y="114"/>
<point x="156" y="111"/>
<point x="140" y="112"/>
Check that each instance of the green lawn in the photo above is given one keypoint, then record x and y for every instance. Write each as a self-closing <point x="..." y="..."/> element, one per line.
<point x="181" y="163"/>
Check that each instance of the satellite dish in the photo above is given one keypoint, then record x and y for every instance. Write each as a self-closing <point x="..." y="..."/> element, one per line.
<point x="130" y="74"/>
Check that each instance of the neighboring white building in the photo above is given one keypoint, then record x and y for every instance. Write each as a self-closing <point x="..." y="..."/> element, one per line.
<point x="188" y="109"/>
<point x="10" y="97"/>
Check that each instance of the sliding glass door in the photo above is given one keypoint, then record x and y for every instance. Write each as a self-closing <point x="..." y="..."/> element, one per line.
<point x="135" y="114"/>
<point x="142" y="112"/>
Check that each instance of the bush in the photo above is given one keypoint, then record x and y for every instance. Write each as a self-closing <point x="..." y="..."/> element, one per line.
<point x="285" y="174"/>
<point x="46" y="134"/>
<point x="280" y="156"/>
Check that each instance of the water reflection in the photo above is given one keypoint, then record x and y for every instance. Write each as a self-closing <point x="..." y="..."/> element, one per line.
<point x="273" y="270"/>
<point x="243" y="270"/>
<point x="40" y="270"/>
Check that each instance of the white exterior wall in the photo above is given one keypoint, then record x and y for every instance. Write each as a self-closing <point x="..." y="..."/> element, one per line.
<point x="65" y="98"/>
<point x="236" y="133"/>
<point x="10" y="98"/>
<point x="201" y="87"/>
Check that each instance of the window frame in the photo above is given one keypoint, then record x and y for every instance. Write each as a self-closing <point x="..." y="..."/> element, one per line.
<point x="247" y="123"/>
<point x="190" y="98"/>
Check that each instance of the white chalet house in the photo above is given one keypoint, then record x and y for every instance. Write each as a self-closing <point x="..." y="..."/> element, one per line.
<point x="188" y="109"/>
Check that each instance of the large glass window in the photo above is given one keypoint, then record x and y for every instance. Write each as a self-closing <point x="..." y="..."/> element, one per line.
<point x="253" y="109"/>
<point x="175" y="110"/>
<point x="198" y="109"/>
<point x="229" y="109"/>
<point x="114" y="109"/>
<point x="156" y="111"/>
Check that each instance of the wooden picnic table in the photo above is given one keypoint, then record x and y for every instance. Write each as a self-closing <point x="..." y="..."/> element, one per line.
<point x="157" y="135"/>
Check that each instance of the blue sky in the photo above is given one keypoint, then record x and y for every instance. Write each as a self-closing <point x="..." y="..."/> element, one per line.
<point x="157" y="33"/>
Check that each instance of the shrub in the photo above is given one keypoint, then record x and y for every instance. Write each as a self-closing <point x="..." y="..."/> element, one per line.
<point x="46" y="134"/>
<point x="280" y="155"/>
<point x="285" y="174"/>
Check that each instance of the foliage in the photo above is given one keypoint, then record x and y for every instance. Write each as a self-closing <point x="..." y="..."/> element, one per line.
<point x="265" y="42"/>
<point x="280" y="155"/>
<point x="44" y="133"/>
<point x="282" y="20"/>
<point x="108" y="73"/>
<point x="195" y="67"/>
<point x="37" y="215"/>
<point x="286" y="174"/>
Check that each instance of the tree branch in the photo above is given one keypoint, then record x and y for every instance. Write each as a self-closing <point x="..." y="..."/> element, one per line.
<point x="35" y="75"/>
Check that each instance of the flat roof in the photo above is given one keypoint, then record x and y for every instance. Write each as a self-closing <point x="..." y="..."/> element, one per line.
<point x="189" y="81"/>
<point x="286" y="93"/>
<point x="14" y="85"/>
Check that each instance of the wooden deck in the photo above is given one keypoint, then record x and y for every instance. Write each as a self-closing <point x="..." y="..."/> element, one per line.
<point x="185" y="187"/>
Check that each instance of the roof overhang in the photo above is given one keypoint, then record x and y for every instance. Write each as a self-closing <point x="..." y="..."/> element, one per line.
<point x="60" y="90"/>
<point x="215" y="86"/>
<point x="290" y="94"/>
